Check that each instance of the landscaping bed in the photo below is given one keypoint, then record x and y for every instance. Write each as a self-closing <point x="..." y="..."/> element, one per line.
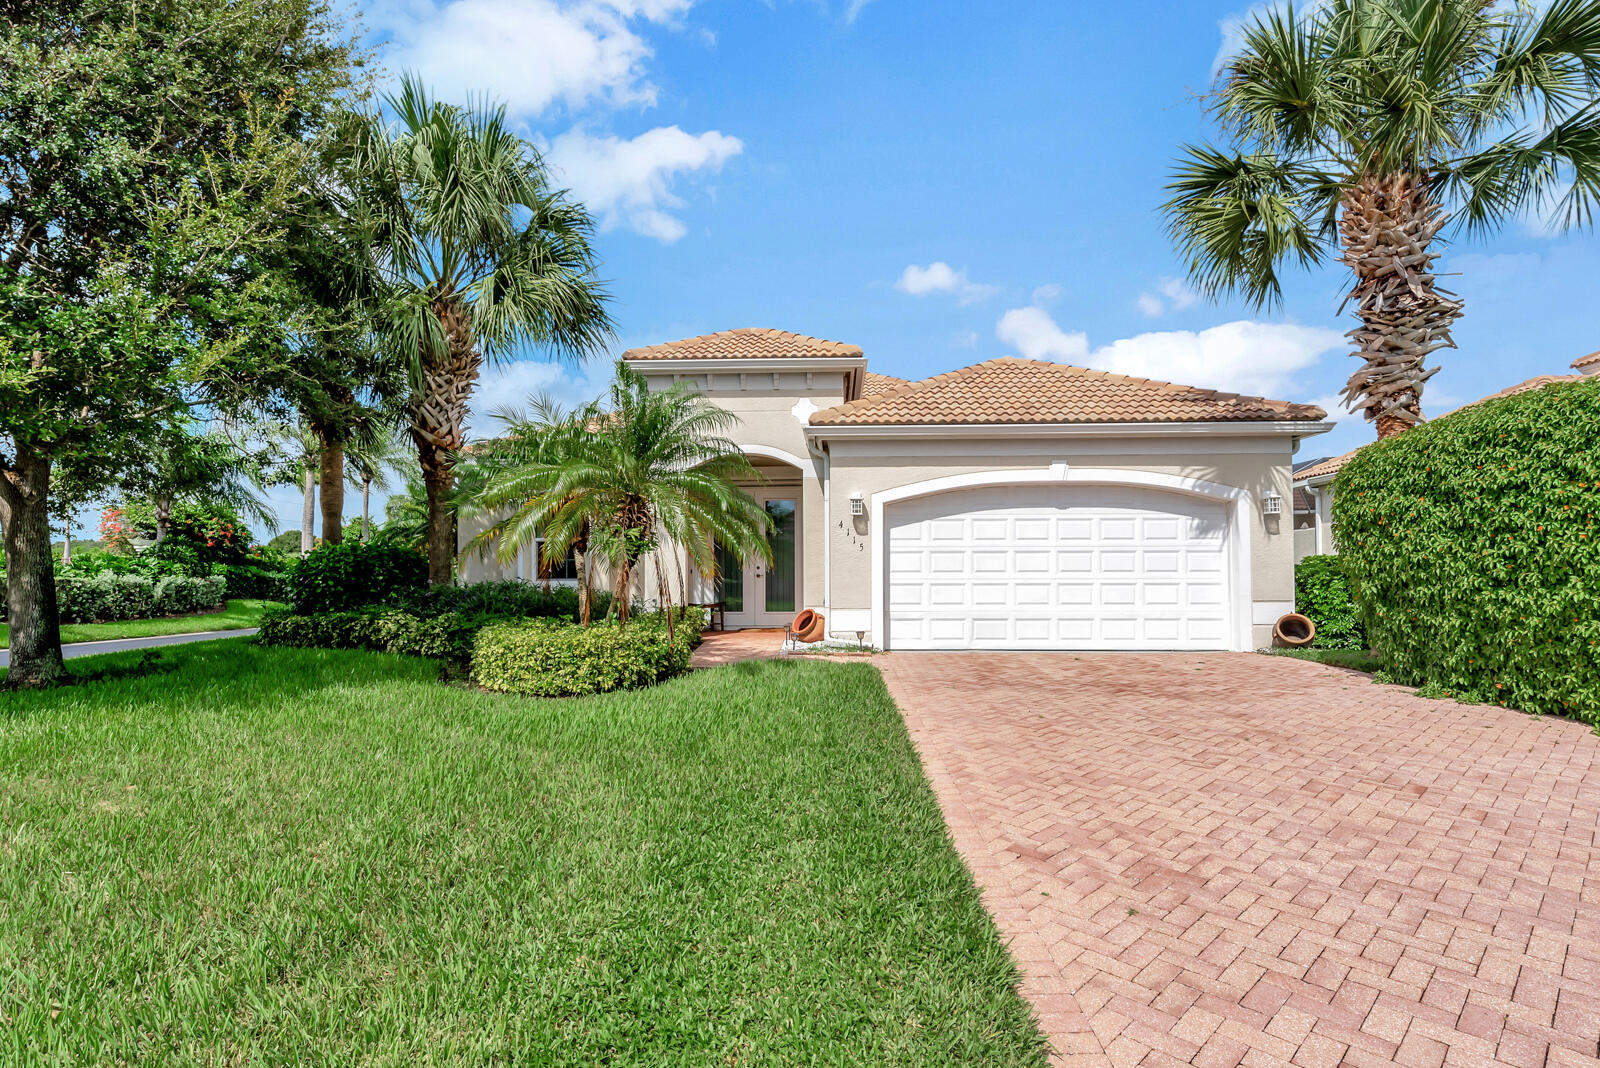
<point x="314" y="857"/>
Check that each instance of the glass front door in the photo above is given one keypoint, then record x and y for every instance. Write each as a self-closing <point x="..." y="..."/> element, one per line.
<point x="758" y="593"/>
<point x="778" y="584"/>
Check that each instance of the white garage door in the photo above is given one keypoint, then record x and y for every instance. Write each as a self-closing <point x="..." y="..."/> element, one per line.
<point x="1058" y="567"/>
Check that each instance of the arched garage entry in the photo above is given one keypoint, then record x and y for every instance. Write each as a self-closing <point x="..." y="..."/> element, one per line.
<point x="1062" y="559"/>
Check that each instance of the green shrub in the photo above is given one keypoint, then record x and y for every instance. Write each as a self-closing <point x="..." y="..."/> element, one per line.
<point x="177" y="595"/>
<point x="337" y="578"/>
<point x="267" y="580"/>
<point x="548" y="658"/>
<point x="1322" y="592"/>
<point x="508" y="599"/>
<point x="447" y="636"/>
<point x="1470" y="544"/>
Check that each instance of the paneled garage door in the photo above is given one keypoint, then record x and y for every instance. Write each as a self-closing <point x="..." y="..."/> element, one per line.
<point x="1058" y="567"/>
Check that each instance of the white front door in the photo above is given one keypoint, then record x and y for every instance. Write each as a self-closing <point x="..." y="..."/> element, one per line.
<point x="1058" y="567"/>
<point x="758" y="593"/>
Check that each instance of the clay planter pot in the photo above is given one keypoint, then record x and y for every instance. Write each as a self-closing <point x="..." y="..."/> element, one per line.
<point x="1294" y="631"/>
<point x="808" y="626"/>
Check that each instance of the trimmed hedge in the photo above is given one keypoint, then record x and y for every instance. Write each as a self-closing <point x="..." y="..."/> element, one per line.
<point x="338" y="578"/>
<point x="1471" y="545"/>
<point x="547" y="658"/>
<point x="447" y="636"/>
<point x="1322" y="592"/>
<point x="107" y="597"/>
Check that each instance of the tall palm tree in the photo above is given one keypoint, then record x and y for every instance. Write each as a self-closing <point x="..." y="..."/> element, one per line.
<point x="1365" y="126"/>
<point x="478" y="256"/>
<point x="370" y="460"/>
<point x="615" y="476"/>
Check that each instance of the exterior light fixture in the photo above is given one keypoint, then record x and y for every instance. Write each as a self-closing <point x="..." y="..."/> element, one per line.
<point x="1272" y="503"/>
<point x="858" y="504"/>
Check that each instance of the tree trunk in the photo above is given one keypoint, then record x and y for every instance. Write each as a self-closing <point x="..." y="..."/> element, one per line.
<point x="1387" y="224"/>
<point x="30" y="573"/>
<point x="332" y="487"/>
<point x="366" y="509"/>
<point x="624" y="577"/>
<point x="438" y="412"/>
<point x="308" y="512"/>
<point x="438" y="478"/>
<point x="163" y="509"/>
<point x="66" y="542"/>
<point x="580" y="563"/>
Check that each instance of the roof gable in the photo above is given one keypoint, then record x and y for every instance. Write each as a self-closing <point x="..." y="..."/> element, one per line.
<point x="1014" y="390"/>
<point x="749" y="343"/>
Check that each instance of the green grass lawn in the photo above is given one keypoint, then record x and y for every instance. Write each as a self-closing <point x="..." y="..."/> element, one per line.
<point x="280" y="856"/>
<point x="236" y="615"/>
<point x="1359" y="659"/>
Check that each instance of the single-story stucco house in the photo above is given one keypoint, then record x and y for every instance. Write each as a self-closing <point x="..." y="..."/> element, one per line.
<point x="1012" y="504"/>
<point x="1313" y="483"/>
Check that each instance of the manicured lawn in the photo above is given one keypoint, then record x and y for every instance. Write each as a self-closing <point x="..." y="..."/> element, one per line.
<point x="1359" y="659"/>
<point x="277" y="856"/>
<point x="237" y="615"/>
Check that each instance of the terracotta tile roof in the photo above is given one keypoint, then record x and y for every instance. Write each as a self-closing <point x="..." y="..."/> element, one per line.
<point x="1589" y="363"/>
<point x="745" y="344"/>
<point x="1330" y="467"/>
<point x="1013" y="390"/>
<point x="1521" y="387"/>
<point x="874" y="383"/>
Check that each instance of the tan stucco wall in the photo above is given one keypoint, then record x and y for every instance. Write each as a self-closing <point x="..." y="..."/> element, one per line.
<point x="772" y="410"/>
<point x="1252" y="464"/>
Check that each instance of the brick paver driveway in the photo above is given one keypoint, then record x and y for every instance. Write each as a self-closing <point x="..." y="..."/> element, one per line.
<point x="1230" y="858"/>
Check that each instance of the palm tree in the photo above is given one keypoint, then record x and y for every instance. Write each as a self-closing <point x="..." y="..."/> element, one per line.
<point x="477" y="256"/>
<point x="370" y="462"/>
<point x="616" y="476"/>
<point x="1365" y="126"/>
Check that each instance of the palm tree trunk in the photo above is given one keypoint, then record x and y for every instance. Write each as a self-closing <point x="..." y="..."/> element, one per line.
<point x="366" y="509"/>
<point x="1386" y="225"/>
<point x="308" y="512"/>
<point x="35" y="622"/>
<point x="332" y="487"/>
<point x="580" y="562"/>
<point x="438" y="412"/>
<point x="624" y="576"/>
<point x="66" y="542"/>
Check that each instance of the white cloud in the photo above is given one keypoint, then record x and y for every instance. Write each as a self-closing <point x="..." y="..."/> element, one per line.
<point x="940" y="277"/>
<point x="1048" y="293"/>
<point x="531" y="54"/>
<point x="1033" y="333"/>
<point x="1258" y="359"/>
<point x="964" y="339"/>
<point x="854" y="9"/>
<point x="511" y="385"/>
<point x="628" y="182"/>
<point x="1173" y="293"/>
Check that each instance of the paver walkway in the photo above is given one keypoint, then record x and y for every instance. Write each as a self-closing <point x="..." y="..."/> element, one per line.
<point x="720" y="647"/>
<point x="1228" y="858"/>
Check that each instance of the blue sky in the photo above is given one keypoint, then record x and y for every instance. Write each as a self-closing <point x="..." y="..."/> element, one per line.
<point x="940" y="182"/>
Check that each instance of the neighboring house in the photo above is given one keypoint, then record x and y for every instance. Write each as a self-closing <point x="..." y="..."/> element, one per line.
<point x="1315" y="479"/>
<point x="1012" y="504"/>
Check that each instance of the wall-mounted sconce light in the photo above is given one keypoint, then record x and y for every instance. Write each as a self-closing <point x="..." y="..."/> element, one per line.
<point x="858" y="504"/>
<point x="1272" y="503"/>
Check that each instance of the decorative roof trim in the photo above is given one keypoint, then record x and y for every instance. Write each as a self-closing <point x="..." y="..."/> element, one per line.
<point x="1236" y="427"/>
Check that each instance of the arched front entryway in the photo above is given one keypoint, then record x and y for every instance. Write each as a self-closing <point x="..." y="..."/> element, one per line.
<point x="762" y="593"/>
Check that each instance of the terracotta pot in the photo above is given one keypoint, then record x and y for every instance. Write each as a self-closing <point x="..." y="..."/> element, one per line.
<point x="808" y="626"/>
<point x="1294" y="630"/>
